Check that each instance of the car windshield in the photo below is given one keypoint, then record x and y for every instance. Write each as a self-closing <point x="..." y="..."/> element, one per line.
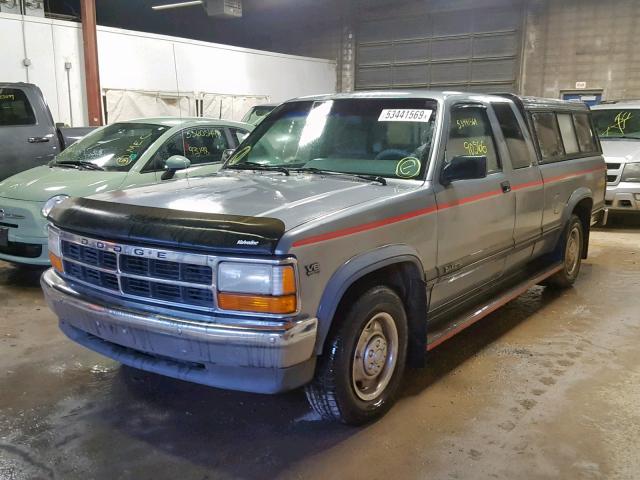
<point x="618" y="123"/>
<point x="256" y="114"/>
<point x="382" y="137"/>
<point x="113" y="148"/>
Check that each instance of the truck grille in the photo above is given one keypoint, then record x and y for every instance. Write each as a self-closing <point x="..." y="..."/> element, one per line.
<point x="113" y="269"/>
<point x="613" y="166"/>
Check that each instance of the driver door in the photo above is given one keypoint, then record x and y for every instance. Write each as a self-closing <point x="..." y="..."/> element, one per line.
<point x="475" y="217"/>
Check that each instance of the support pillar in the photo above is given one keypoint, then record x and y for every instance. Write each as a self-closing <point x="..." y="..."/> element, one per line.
<point x="91" y="71"/>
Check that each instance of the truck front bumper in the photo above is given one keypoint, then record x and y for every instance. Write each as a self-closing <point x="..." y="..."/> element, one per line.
<point x="623" y="197"/>
<point x="252" y="359"/>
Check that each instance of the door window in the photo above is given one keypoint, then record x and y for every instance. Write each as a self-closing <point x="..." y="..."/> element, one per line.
<point x="548" y="135"/>
<point x="15" y="108"/>
<point x="201" y="145"/>
<point x="513" y="136"/>
<point x="470" y="135"/>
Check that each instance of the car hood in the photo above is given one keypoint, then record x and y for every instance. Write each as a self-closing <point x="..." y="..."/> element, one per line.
<point x="294" y="199"/>
<point x="41" y="183"/>
<point x="621" y="151"/>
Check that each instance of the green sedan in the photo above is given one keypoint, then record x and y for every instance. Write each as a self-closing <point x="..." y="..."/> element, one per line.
<point x="115" y="157"/>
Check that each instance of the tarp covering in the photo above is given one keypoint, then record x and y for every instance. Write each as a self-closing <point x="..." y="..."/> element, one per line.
<point x="129" y="104"/>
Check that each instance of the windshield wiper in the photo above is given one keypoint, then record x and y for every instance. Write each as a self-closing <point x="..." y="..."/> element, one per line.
<point x="371" y="178"/>
<point x="258" y="166"/>
<point x="81" y="163"/>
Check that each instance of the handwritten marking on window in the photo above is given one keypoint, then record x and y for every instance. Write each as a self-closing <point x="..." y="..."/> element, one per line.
<point x="476" y="147"/>
<point x="466" y="122"/>
<point x="620" y="123"/>
<point x="202" y="133"/>
<point x="197" y="151"/>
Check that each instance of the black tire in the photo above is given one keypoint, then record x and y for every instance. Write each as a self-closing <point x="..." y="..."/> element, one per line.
<point x="572" y="246"/>
<point x="332" y="393"/>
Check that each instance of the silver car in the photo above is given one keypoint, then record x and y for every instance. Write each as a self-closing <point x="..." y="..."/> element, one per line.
<point x="346" y="237"/>
<point x="618" y="125"/>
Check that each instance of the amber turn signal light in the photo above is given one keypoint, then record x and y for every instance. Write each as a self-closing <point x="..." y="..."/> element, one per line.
<point x="257" y="303"/>
<point x="56" y="262"/>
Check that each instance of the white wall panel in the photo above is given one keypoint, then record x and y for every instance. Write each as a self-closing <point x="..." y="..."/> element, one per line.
<point x="145" y="62"/>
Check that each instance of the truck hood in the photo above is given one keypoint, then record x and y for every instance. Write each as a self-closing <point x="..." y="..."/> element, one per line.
<point x="621" y="151"/>
<point x="294" y="199"/>
<point x="41" y="183"/>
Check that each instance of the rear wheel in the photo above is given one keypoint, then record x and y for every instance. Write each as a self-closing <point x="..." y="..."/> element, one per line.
<point x="572" y="248"/>
<point x="359" y="373"/>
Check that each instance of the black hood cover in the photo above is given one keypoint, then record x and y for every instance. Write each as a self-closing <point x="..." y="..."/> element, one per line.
<point x="164" y="227"/>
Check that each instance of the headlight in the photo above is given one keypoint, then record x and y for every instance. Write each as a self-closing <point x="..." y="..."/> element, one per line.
<point x="52" y="202"/>
<point x="631" y="172"/>
<point x="259" y="288"/>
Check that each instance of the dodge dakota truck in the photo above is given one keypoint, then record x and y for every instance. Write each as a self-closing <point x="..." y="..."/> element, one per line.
<point x="618" y="126"/>
<point x="28" y="135"/>
<point x="346" y="237"/>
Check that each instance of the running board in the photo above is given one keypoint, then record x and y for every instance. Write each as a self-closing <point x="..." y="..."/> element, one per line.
<point x="478" y="312"/>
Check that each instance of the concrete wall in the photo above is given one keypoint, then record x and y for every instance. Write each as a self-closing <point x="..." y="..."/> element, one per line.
<point x="141" y="61"/>
<point x="592" y="41"/>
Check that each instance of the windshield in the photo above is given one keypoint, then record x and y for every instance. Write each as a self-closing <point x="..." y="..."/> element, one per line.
<point x="114" y="148"/>
<point x="383" y="137"/>
<point x="617" y="123"/>
<point x="256" y="114"/>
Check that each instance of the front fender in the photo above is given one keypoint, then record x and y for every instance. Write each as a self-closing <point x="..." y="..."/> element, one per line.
<point x="351" y="271"/>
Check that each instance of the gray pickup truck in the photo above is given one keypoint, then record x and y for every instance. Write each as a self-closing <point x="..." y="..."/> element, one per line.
<point x="28" y="135"/>
<point x="346" y="237"/>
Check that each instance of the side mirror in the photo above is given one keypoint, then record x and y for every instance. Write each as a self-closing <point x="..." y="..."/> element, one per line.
<point x="173" y="164"/>
<point x="227" y="154"/>
<point x="464" y="167"/>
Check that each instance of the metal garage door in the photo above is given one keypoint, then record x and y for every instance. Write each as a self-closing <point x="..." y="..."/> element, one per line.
<point x="441" y="45"/>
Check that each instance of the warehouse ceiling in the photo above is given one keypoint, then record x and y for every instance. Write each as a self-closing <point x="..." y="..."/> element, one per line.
<point x="287" y="26"/>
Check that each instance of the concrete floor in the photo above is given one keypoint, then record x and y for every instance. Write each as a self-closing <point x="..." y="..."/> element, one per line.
<point x="547" y="387"/>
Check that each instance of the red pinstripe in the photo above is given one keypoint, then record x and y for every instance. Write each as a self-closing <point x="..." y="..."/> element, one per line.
<point x="426" y="211"/>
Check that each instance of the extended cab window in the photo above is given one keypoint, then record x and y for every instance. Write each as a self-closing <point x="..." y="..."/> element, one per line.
<point x="199" y="144"/>
<point x="516" y="144"/>
<point x="15" y="108"/>
<point x="586" y="137"/>
<point x="548" y="134"/>
<point x="470" y="135"/>
<point x="569" y="140"/>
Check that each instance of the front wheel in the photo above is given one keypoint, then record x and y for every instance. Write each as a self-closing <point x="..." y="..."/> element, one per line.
<point x="572" y="248"/>
<point x="360" y="371"/>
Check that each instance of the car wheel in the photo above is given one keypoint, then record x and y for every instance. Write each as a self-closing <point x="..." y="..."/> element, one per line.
<point x="572" y="247"/>
<point x="360" y="370"/>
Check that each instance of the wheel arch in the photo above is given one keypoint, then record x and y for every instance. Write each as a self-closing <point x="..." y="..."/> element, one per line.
<point x="581" y="204"/>
<point x="401" y="269"/>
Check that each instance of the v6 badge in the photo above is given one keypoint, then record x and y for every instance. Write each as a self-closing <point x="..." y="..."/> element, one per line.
<point x="312" y="268"/>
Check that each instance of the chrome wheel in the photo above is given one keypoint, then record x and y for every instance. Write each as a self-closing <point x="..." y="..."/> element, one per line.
<point x="375" y="356"/>
<point x="572" y="252"/>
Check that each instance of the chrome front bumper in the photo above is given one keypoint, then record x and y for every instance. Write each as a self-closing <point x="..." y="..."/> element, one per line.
<point x="623" y="197"/>
<point x="249" y="358"/>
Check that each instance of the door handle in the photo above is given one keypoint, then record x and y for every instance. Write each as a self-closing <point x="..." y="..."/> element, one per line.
<point x="506" y="187"/>
<point x="38" y="139"/>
